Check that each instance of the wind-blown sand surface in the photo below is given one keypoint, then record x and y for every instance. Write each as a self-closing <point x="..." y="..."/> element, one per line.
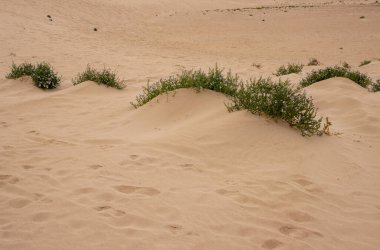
<point x="80" y="168"/>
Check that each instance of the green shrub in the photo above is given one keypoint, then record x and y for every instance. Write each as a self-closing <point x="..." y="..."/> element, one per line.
<point x="289" y="69"/>
<point x="313" y="62"/>
<point x="376" y="86"/>
<point x="105" y="77"/>
<point x="365" y="62"/>
<point x="42" y="74"/>
<point x="262" y="97"/>
<point x="17" y="71"/>
<point x="329" y="72"/>
<point x="279" y="101"/>
<point x="213" y="80"/>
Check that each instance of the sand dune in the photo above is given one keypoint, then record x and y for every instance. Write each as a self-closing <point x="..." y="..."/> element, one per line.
<point x="80" y="168"/>
<point x="89" y="172"/>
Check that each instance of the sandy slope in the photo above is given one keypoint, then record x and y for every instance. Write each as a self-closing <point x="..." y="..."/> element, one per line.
<point x="81" y="169"/>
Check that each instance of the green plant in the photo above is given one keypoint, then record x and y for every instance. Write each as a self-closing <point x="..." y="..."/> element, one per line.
<point x="213" y="80"/>
<point x="44" y="76"/>
<point x="17" y="71"/>
<point x="279" y="101"/>
<point x="105" y="77"/>
<point x="289" y="69"/>
<point x="262" y="96"/>
<point x="376" y="86"/>
<point x="329" y="72"/>
<point x="365" y="62"/>
<point x="313" y="62"/>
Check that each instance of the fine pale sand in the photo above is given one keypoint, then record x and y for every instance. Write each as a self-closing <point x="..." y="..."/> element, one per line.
<point x="80" y="168"/>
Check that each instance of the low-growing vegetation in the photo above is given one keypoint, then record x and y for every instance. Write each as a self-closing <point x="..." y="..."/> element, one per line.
<point x="289" y="69"/>
<point x="17" y="71"/>
<point x="43" y="74"/>
<point x="213" y="80"/>
<point x="313" y="62"/>
<point x="365" y="62"/>
<point x="105" y="77"/>
<point x="376" y="86"/>
<point x="277" y="100"/>
<point x="329" y="72"/>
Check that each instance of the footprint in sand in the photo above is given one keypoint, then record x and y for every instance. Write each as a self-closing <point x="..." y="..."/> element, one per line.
<point x="4" y="124"/>
<point x="27" y="167"/>
<point x="299" y="216"/>
<point x="271" y="244"/>
<point x="102" y="208"/>
<point x="110" y="212"/>
<point x="190" y="167"/>
<point x="297" y="232"/>
<point x="244" y="199"/>
<point x="85" y="190"/>
<point x="307" y="185"/>
<point x="175" y="228"/>
<point x="41" y="216"/>
<point x="19" y="203"/>
<point x="10" y="179"/>
<point x="141" y="190"/>
<point x="95" y="167"/>
<point x="133" y="157"/>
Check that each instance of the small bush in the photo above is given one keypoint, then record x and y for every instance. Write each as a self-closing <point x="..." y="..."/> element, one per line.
<point x="376" y="86"/>
<point x="289" y="69"/>
<point x="105" y="77"/>
<point x="17" y="71"/>
<point x="313" y="62"/>
<point x="213" y="80"/>
<point x="365" y="62"/>
<point x="329" y="72"/>
<point x="278" y="101"/>
<point x="42" y="74"/>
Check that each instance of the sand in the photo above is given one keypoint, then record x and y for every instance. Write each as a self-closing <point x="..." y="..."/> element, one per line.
<point x="80" y="168"/>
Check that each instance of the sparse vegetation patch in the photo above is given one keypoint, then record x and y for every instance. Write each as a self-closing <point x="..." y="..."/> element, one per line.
<point x="17" y="71"/>
<point x="277" y="100"/>
<point x="289" y="69"/>
<point x="330" y="72"/>
<point x="365" y="62"/>
<point x="376" y="86"/>
<point x="43" y="74"/>
<point x="213" y="80"/>
<point x="105" y="77"/>
<point x="313" y="62"/>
